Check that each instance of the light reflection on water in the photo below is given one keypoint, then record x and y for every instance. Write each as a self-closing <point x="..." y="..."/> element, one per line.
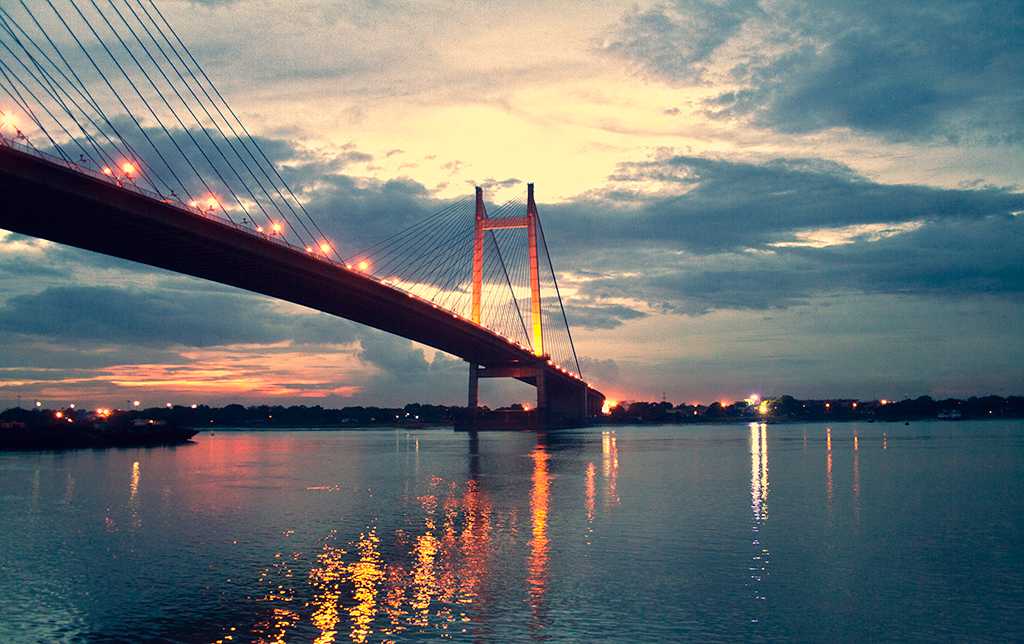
<point x="759" y="506"/>
<point x="631" y="534"/>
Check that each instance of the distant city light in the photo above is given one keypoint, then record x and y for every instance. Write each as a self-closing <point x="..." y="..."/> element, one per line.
<point x="763" y="408"/>
<point x="168" y="405"/>
<point x="58" y="414"/>
<point x="72" y="405"/>
<point x="194" y="405"/>
<point x="39" y="403"/>
<point x="136" y="403"/>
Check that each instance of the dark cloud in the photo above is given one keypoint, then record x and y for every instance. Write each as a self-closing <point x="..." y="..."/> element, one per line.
<point x="599" y="316"/>
<point x="674" y="39"/>
<point x="945" y="70"/>
<point x="772" y="235"/>
<point x="494" y="184"/>
<point x="161" y="317"/>
<point x="731" y="206"/>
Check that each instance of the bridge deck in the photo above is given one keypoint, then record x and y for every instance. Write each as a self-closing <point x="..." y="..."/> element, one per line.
<point x="47" y="199"/>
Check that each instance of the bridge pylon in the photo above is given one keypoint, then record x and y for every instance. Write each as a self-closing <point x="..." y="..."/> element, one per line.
<point x="483" y="224"/>
<point x="531" y="373"/>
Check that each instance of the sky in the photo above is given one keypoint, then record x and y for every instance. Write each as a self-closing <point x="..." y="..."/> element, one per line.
<point x="816" y="198"/>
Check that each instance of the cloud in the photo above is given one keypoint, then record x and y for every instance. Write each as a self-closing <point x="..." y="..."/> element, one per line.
<point x="756" y="236"/>
<point x="944" y="70"/>
<point x="674" y="40"/>
<point x="600" y="316"/>
<point x="732" y="205"/>
<point x="161" y="317"/>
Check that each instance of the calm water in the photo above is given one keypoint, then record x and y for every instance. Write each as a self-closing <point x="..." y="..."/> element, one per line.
<point x="638" y="534"/>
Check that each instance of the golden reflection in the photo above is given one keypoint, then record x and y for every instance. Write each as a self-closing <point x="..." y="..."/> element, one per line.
<point x="366" y="575"/>
<point x="759" y="501"/>
<point x="828" y="478"/>
<point x="326" y="579"/>
<point x="424" y="579"/>
<point x="610" y="467"/>
<point x="885" y="440"/>
<point x="591" y="490"/>
<point x="539" y="498"/>
<point x="133" y="493"/>
<point x="133" y="485"/>
<point x="434" y="585"/>
<point x="474" y="542"/>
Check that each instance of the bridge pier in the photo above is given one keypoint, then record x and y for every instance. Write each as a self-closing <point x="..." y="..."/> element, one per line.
<point x="560" y="402"/>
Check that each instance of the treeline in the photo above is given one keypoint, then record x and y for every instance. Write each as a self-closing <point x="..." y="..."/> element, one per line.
<point x="781" y="408"/>
<point x="788" y="408"/>
<point x="265" y="416"/>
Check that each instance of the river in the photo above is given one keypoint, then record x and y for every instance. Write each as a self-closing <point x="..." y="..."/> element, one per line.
<point x="848" y="532"/>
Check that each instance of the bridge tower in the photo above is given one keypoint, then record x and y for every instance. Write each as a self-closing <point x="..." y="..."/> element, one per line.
<point x="481" y="226"/>
<point x="529" y="222"/>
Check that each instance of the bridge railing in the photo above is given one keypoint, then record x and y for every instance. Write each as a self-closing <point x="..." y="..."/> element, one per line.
<point x="274" y="239"/>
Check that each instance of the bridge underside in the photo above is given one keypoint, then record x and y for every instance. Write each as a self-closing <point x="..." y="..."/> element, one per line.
<point x="47" y="200"/>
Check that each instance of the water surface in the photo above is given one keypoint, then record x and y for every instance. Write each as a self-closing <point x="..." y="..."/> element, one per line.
<point x="630" y="534"/>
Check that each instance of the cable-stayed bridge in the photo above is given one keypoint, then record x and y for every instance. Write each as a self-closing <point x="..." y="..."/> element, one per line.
<point x="114" y="139"/>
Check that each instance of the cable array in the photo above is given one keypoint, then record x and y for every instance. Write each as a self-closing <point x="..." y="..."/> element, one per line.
<point x="433" y="259"/>
<point x="113" y="90"/>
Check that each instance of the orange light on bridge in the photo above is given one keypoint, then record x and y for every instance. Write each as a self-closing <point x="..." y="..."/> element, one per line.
<point x="325" y="247"/>
<point x="276" y="227"/>
<point x="211" y="202"/>
<point x="7" y="119"/>
<point x="107" y="171"/>
<point x="128" y="168"/>
<point x="309" y="249"/>
<point x="58" y="415"/>
<point x="363" y="265"/>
